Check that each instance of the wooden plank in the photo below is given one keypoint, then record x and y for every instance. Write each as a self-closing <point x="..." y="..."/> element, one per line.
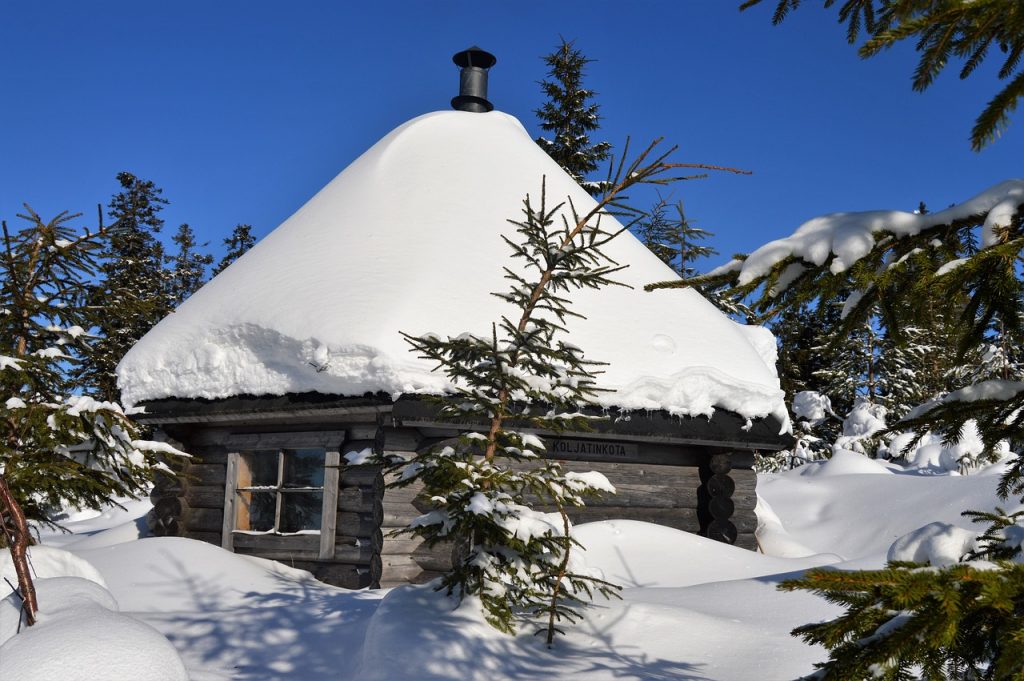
<point x="277" y="542"/>
<point x="329" y="516"/>
<point x="285" y="556"/>
<point x="439" y="558"/>
<point x="328" y="439"/>
<point x="637" y="495"/>
<point x="631" y="473"/>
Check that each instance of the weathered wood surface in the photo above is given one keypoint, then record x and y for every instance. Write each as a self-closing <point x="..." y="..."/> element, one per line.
<point x="358" y="524"/>
<point x="339" y="574"/>
<point x="172" y="516"/>
<point x="746" y="540"/>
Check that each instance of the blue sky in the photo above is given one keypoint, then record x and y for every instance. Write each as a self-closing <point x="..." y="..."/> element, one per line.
<point x="242" y="110"/>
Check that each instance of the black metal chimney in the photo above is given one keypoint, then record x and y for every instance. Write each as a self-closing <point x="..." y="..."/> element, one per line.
<point x="473" y="64"/>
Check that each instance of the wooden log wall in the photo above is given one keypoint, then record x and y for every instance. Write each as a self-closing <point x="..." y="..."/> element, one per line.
<point x="715" y="499"/>
<point x="191" y="504"/>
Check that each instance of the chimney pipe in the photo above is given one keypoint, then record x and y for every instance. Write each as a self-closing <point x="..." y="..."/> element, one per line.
<point x="473" y="64"/>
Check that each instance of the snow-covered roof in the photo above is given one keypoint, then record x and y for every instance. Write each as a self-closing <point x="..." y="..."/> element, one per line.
<point x="408" y="238"/>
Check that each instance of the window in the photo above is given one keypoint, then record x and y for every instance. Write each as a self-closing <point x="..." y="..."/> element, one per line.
<point x="280" y="491"/>
<point x="282" y="494"/>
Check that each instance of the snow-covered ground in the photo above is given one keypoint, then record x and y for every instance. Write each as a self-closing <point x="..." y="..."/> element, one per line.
<point x="690" y="609"/>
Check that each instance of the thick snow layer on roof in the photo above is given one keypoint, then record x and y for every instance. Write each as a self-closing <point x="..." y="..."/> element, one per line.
<point x="408" y="238"/>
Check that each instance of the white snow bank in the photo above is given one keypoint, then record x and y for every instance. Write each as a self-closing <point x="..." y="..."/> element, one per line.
<point x="939" y="544"/>
<point x="46" y="562"/>
<point x="859" y="516"/>
<point x="844" y="462"/>
<point x="319" y="303"/>
<point x="637" y="554"/>
<point x="850" y="236"/>
<point x="79" y="637"/>
<point x="177" y="571"/>
<point x="55" y="596"/>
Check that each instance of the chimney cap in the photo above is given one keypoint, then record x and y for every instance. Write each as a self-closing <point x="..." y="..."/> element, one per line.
<point x="474" y="57"/>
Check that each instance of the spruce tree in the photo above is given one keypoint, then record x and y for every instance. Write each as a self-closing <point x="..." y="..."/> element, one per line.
<point x="132" y="290"/>
<point x="57" y="447"/>
<point x="945" y="622"/>
<point x="188" y="268"/>
<point x="570" y="117"/>
<point x="669" y="235"/>
<point x="240" y="241"/>
<point x="522" y="375"/>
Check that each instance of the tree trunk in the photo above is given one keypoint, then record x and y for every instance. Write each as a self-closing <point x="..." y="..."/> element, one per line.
<point x="17" y="534"/>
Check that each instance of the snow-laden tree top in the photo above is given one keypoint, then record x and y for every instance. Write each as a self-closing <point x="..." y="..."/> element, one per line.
<point x="409" y="238"/>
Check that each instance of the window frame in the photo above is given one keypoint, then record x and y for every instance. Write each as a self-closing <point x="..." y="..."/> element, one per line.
<point x="239" y="444"/>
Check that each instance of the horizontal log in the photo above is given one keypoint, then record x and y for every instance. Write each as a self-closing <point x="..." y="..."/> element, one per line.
<point x="440" y="557"/>
<point x="374" y="540"/>
<point x="188" y="519"/>
<point x="208" y="537"/>
<point x="746" y="540"/>
<point x="357" y="524"/>
<point x="360" y="476"/>
<point x="630" y="473"/>
<point x="204" y="497"/>
<point x="654" y="496"/>
<point x="205" y="474"/>
<point x="722" y="530"/>
<point x="289" y="557"/>
<point x="403" y="494"/>
<point x="720" y="485"/>
<point x="744" y="521"/>
<point x="679" y="518"/>
<point x="401" y="439"/>
<point x="209" y="454"/>
<point x="338" y="574"/>
<point x="269" y="542"/>
<point x="398" y="569"/>
<point x="720" y="463"/>
<point x="358" y="500"/>
<point x="401" y="545"/>
<point x="721" y="508"/>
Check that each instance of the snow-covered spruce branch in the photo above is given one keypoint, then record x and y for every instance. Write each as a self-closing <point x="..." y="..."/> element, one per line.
<point x="893" y="264"/>
<point x="493" y="492"/>
<point x="56" y="447"/>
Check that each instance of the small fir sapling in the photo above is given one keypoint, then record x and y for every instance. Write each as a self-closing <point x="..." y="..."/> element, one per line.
<point x="520" y="377"/>
<point x="57" y="448"/>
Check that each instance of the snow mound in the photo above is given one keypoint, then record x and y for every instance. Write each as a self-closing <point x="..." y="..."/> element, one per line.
<point x="631" y="554"/>
<point x="79" y="637"/>
<point x="56" y="595"/>
<point x="409" y="239"/>
<point x="844" y="462"/>
<point x="47" y="562"/>
<point x="178" y="570"/>
<point x="939" y="544"/>
<point x="419" y="633"/>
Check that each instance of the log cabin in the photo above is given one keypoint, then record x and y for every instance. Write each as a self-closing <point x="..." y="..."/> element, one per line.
<point x="285" y="372"/>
